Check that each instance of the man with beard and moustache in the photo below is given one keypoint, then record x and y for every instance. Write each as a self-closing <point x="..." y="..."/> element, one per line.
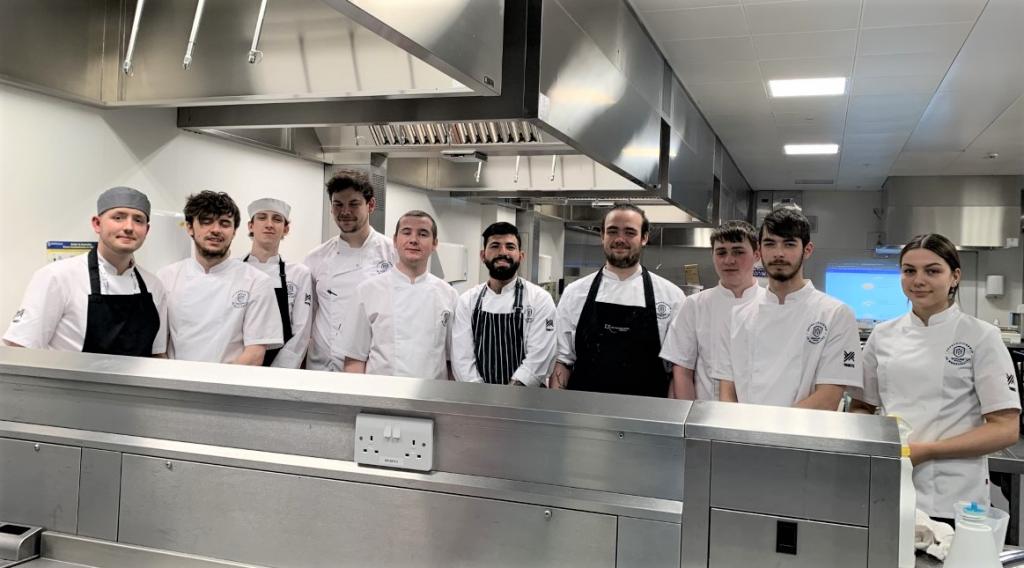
<point x="219" y="310"/>
<point x="268" y="225"/>
<point x="611" y="324"/>
<point x="401" y="320"/>
<point x="795" y="346"/>
<point x="100" y="302"/>
<point x="504" y="330"/>
<point x="342" y="263"/>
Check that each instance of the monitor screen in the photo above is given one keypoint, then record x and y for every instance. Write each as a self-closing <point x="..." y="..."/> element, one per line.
<point x="874" y="292"/>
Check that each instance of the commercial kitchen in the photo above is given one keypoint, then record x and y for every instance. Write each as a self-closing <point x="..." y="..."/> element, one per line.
<point x="866" y="154"/>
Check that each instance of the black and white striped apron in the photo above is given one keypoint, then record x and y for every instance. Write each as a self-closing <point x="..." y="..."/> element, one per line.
<point x="498" y="339"/>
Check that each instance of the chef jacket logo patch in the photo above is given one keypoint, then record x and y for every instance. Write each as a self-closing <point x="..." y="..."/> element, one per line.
<point x="383" y="266"/>
<point x="1011" y="382"/>
<point x="309" y="299"/>
<point x="663" y="310"/>
<point x="959" y="354"/>
<point x="817" y="332"/>
<point x="18" y="315"/>
<point x="529" y="314"/>
<point x="445" y="316"/>
<point x="292" y="289"/>
<point x="240" y="299"/>
<point x="549" y="325"/>
<point x="849" y="358"/>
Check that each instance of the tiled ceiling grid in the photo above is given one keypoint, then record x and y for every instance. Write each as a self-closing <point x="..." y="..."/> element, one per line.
<point x="935" y="86"/>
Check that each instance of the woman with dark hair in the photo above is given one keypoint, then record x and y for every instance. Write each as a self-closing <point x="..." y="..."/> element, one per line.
<point x="948" y="375"/>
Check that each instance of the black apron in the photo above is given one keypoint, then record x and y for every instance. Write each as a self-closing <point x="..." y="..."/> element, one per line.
<point x="498" y="340"/>
<point x="282" y="306"/>
<point x="618" y="347"/>
<point x="119" y="324"/>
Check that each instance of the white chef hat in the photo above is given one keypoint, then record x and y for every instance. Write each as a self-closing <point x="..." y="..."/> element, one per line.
<point x="270" y="204"/>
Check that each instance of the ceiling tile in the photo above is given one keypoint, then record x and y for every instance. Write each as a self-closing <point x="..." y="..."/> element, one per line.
<point x="880" y="13"/>
<point x="724" y="72"/>
<point x="803" y="16"/>
<point x="954" y="119"/>
<point x="894" y="108"/>
<point x="731" y="98"/>
<point x="901" y="64"/>
<point x="895" y="85"/>
<point x="801" y="45"/>
<point x="941" y="39"/>
<point x="806" y="68"/>
<point x="814" y="107"/>
<point x="709" y="50"/>
<point x="923" y="163"/>
<point x="718" y="21"/>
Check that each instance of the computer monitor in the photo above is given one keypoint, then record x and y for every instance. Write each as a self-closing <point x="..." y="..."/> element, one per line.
<point x="873" y="291"/>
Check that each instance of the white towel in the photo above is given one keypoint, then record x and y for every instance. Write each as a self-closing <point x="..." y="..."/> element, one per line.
<point x="933" y="537"/>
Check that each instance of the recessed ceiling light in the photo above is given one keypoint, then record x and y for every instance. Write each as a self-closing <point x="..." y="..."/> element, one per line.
<point x="810" y="149"/>
<point x="807" y="87"/>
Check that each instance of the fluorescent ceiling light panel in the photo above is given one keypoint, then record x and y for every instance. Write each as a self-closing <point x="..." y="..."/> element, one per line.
<point x="810" y="149"/>
<point x="807" y="87"/>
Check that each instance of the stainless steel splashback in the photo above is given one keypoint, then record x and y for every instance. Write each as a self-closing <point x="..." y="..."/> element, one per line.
<point x="973" y="211"/>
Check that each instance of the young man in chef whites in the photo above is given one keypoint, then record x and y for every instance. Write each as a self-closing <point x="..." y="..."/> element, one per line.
<point x="401" y="320"/>
<point x="342" y="263"/>
<point x="611" y="324"/>
<point x="697" y="328"/>
<point x="219" y="310"/>
<point x="100" y="302"/>
<point x="504" y="328"/>
<point x="268" y="225"/>
<point x="794" y="346"/>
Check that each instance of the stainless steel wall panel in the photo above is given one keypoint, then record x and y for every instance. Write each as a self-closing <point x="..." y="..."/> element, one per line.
<point x="745" y="539"/>
<point x="39" y="484"/>
<point x="792" y="483"/>
<point x="883" y="540"/>
<point x="647" y="544"/>
<point x="69" y="551"/>
<point x="284" y="520"/>
<point x="696" y="504"/>
<point x="100" y="493"/>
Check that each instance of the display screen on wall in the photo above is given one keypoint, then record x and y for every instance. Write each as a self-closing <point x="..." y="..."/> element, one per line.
<point x="873" y="291"/>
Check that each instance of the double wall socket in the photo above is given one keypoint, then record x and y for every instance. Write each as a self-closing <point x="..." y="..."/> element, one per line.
<point x="394" y="441"/>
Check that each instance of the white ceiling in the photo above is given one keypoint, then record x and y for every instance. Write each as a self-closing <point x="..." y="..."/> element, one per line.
<point x="934" y="86"/>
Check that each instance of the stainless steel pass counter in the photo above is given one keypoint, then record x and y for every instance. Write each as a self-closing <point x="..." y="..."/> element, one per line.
<point x="258" y="466"/>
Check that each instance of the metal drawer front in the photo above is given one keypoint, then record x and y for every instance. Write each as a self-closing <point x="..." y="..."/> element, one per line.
<point x="39" y="484"/>
<point x="747" y="539"/>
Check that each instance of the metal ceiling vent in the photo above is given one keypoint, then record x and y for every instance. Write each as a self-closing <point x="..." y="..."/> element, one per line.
<point x="455" y="133"/>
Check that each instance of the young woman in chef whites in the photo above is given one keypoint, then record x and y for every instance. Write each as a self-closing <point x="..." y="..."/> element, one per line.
<point x="948" y="375"/>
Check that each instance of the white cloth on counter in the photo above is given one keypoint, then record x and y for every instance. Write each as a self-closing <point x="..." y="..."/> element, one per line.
<point x="213" y="316"/>
<point x="400" y="326"/>
<point x="696" y="333"/>
<point x="932" y="537"/>
<point x="337" y="270"/>
<point x="626" y="292"/>
<point x="54" y="311"/>
<point x="300" y="307"/>
<point x="539" y="329"/>
<point x="941" y="378"/>
<point x="777" y="353"/>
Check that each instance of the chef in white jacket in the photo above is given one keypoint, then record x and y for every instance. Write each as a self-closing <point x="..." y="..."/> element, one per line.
<point x="343" y="263"/>
<point x="219" y="310"/>
<point x="504" y="329"/>
<point x="795" y="346"/>
<point x="948" y="375"/>
<point x="697" y="329"/>
<point x="401" y="320"/>
<point x="269" y="223"/>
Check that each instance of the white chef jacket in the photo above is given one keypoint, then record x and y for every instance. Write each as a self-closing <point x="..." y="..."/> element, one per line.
<point x="941" y="379"/>
<point x="627" y="292"/>
<point x="54" y="312"/>
<point x="777" y="353"/>
<point x="400" y="327"/>
<point x="300" y="307"/>
<point x="214" y="316"/>
<point x="539" y="328"/>
<point x="696" y="333"/>
<point x="337" y="269"/>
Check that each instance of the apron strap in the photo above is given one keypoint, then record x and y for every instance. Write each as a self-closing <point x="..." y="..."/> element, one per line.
<point x="594" y="286"/>
<point x="284" y="282"/>
<point x="140" y="281"/>
<point x="94" y="272"/>
<point x="648" y="288"/>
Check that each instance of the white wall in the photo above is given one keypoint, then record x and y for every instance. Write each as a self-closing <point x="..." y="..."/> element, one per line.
<point x="552" y="243"/>
<point x="56" y="157"/>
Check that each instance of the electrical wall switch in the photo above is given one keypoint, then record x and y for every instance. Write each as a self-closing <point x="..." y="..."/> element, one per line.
<point x="394" y="441"/>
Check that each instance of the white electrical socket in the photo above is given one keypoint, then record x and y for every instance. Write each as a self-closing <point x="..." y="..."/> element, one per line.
<point x="394" y="441"/>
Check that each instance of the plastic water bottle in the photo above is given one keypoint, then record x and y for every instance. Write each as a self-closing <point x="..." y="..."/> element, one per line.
<point x="908" y="498"/>
<point x="973" y="545"/>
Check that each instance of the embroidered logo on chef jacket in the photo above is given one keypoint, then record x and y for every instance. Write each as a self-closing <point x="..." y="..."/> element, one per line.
<point x="1011" y="382"/>
<point x="383" y="266"/>
<point x="663" y="310"/>
<point x="240" y="299"/>
<point x="445" y="316"/>
<point x="309" y="299"/>
<point x="959" y="354"/>
<point x="18" y="315"/>
<point x="528" y="311"/>
<point x="817" y="332"/>
<point x="848" y="358"/>
<point x="292" y="289"/>
<point x="549" y="325"/>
